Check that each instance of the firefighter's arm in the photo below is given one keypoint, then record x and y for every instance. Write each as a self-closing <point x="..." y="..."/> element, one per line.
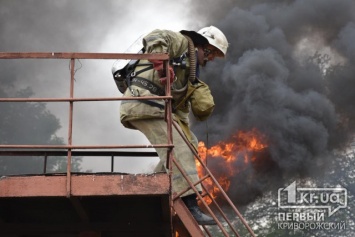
<point x="161" y="41"/>
<point x="165" y="41"/>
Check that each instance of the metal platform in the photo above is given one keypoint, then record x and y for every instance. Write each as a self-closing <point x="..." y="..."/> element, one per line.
<point x="108" y="204"/>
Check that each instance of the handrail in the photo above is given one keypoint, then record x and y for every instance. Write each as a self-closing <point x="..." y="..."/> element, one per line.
<point x="70" y="148"/>
<point x="82" y="99"/>
<point x="85" y="146"/>
<point x="76" y="55"/>
<point x="49" y="153"/>
<point x="72" y="56"/>
<point x="76" y="153"/>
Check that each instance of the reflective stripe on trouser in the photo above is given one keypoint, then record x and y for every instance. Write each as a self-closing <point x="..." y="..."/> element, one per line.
<point x="156" y="132"/>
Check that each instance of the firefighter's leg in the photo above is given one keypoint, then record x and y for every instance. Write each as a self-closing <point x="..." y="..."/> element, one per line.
<point x="156" y="132"/>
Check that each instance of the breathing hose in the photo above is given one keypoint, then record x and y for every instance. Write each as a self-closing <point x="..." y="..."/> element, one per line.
<point x="192" y="59"/>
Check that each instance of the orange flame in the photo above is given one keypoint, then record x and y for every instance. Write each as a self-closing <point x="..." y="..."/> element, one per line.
<point x="241" y="146"/>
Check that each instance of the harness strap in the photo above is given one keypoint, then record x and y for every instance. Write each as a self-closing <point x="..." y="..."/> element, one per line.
<point x="149" y="66"/>
<point x="133" y="79"/>
<point x="153" y="103"/>
<point x="134" y="74"/>
<point x="148" y="85"/>
<point x="148" y="102"/>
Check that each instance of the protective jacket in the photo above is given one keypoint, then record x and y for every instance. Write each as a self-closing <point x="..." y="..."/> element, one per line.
<point x="176" y="45"/>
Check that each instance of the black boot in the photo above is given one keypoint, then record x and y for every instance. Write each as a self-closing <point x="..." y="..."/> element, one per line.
<point x="201" y="218"/>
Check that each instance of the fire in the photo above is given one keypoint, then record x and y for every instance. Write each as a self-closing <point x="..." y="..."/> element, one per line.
<point x="241" y="147"/>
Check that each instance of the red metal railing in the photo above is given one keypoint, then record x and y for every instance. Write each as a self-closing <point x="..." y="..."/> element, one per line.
<point x="69" y="147"/>
<point x="72" y="57"/>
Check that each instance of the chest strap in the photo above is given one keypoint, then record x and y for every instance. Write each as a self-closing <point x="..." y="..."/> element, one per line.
<point x="148" y="85"/>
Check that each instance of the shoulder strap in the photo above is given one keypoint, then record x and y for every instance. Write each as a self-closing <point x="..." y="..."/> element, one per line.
<point x="190" y="90"/>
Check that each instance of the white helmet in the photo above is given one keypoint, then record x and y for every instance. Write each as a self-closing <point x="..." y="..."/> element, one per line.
<point x="215" y="37"/>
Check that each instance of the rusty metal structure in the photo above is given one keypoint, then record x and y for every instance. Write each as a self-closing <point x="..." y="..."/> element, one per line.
<point x="102" y="204"/>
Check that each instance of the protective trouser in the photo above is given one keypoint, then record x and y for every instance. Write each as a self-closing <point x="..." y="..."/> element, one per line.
<point x="156" y="132"/>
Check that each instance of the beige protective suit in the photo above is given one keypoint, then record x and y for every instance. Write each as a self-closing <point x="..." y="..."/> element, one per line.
<point x="150" y="119"/>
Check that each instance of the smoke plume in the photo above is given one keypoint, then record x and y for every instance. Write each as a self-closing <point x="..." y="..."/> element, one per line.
<point x="289" y="74"/>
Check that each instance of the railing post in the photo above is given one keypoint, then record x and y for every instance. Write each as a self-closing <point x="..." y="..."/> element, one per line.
<point x="45" y="163"/>
<point x="70" y="127"/>
<point x="112" y="163"/>
<point x="168" y="119"/>
<point x="168" y="115"/>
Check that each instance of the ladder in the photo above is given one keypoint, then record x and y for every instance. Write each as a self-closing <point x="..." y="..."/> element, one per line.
<point x="190" y="226"/>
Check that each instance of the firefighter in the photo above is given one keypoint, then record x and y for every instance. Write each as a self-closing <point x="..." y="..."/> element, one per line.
<point x="188" y="50"/>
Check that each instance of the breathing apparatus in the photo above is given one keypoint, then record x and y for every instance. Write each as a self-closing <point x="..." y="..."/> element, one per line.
<point x="123" y="69"/>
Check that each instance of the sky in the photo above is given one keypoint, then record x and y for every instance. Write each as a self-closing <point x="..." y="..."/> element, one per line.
<point x="288" y="73"/>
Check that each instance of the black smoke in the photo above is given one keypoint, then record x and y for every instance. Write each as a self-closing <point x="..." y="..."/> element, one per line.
<point x="302" y="102"/>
